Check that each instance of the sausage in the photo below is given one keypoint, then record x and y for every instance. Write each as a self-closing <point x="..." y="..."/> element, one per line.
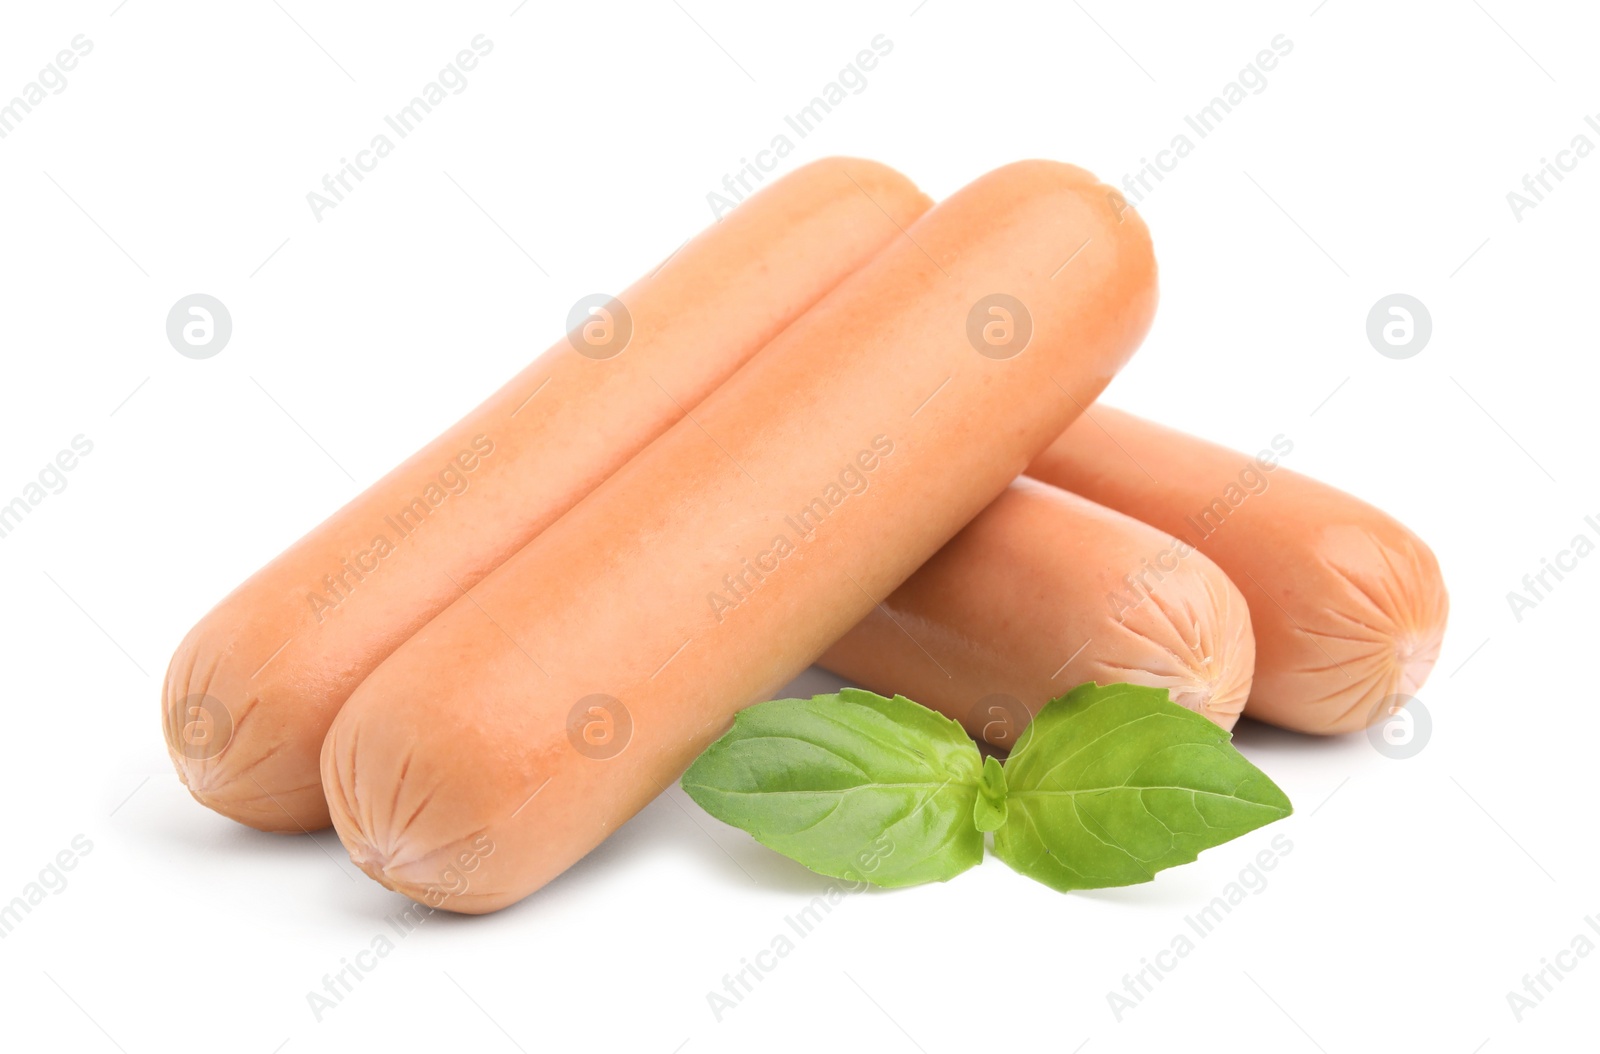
<point x="1043" y="591"/>
<point x="529" y="720"/>
<point x="1348" y="605"/>
<point x="252" y="689"/>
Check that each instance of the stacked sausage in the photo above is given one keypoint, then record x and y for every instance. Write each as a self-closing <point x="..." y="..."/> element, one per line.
<point x="839" y="425"/>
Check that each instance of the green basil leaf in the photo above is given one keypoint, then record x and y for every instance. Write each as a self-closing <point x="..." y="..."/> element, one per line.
<point x="851" y="785"/>
<point x="989" y="811"/>
<point x="1111" y="784"/>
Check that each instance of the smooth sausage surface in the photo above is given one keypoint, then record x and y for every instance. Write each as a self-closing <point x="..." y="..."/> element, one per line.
<point x="526" y="722"/>
<point x="252" y="689"/>
<point x="1348" y="606"/>
<point x="1043" y="591"/>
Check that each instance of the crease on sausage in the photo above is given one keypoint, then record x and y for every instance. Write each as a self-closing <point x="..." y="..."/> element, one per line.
<point x="1348" y="605"/>
<point x="1201" y="648"/>
<point x="1379" y="636"/>
<point x="980" y="632"/>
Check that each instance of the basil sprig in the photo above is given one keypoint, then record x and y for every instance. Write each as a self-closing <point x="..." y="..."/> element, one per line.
<point x="1108" y="785"/>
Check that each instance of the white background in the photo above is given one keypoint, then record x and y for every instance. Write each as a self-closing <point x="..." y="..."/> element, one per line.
<point x="1377" y="160"/>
